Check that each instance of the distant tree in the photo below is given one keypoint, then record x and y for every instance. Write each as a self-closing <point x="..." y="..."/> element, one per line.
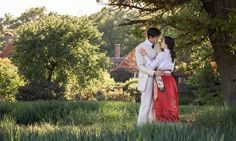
<point x="55" y="48"/>
<point x="9" y="23"/>
<point x="108" y="22"/>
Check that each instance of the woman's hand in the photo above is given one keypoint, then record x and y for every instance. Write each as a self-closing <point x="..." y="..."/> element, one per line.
<point x="142" y="52"/>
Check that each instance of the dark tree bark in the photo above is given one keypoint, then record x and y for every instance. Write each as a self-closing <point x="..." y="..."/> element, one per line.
<point x="220" y="40"/>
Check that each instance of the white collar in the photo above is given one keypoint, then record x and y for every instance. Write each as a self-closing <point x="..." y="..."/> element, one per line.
<point x="148" y="42"/>
<point x="167" y="50"/>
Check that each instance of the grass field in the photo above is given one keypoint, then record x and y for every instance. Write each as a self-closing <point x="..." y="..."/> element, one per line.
<point x="110" y="121"/>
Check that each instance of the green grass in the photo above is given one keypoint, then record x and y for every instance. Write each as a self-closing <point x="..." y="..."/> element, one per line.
<point x="106" y="121"/>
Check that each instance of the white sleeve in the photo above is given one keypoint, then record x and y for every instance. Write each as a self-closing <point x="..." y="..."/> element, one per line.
<point x="141" y="64"/>
<point x="155" y="63"/>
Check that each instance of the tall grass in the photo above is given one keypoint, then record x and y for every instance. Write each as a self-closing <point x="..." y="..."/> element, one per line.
<point x="106" y="121"/>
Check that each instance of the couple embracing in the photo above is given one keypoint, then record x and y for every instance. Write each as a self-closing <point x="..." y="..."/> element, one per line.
<point x="159" y="99"/>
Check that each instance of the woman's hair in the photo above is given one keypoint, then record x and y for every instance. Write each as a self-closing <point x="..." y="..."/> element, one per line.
<point x="170" y="42"/>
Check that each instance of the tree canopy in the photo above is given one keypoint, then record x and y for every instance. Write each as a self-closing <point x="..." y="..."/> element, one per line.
<point x="108" y="23"/>
<point x="194" y="24"/>
<point x="55" y="47"/>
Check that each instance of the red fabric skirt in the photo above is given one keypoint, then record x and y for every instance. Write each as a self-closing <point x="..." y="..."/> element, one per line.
<point x="166" y="105"/>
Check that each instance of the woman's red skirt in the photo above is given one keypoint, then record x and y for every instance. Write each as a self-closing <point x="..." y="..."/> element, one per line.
<point x="166" y="105"/>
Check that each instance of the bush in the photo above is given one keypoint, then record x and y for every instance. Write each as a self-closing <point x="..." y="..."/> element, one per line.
<point x="41" y="90"/>
<point x="96" y="88"/>
<point x="186" y="99"/>
<point x="205" y="85"/>
<point x="117" y="94"/>
<point x="130" y="87"/>
<point x="10" y="80"/>
<point x="121" y="75"/>
<point x="107" y="89"/>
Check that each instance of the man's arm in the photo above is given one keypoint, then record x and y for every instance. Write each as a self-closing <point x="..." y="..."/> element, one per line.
<point x="141" y="64"/>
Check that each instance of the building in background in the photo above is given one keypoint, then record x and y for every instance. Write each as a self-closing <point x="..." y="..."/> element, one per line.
<point x="8" y="47"/>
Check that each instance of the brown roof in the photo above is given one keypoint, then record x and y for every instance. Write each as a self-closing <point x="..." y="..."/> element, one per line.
<point x="129" y="62"/>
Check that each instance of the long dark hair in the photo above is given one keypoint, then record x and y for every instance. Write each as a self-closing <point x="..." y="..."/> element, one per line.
<point x="170" y="42"/>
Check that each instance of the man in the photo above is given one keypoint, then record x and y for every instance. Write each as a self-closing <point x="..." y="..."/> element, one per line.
<point x="145" y="82"/>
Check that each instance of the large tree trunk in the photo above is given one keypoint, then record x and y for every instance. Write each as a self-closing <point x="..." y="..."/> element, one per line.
<point x="219" y="38"/>
<point x="227" y="66"/>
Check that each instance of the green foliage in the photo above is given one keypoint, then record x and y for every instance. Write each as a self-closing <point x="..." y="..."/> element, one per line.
<point x="9" y="22"/>
<point x="130" y="87"/>
<point x="69" y="113"/>
<point x="41" y="90"/>
<point x="108" y="23"/>
<point x="215" y="117"/>
<point x="107" y="89"/>
<point x="205" y="84"/>
<point x="196" y="25"/>
<point x="96" y="88"/>
<point x="117" y="94"/>
<point x="55" y="48"/>
<point x="54" y="120"/>
<point x="204" y="79"/>
<point x="186" y="99"/>
<point x="10" y="80"/>
<point x="121" y="75"/>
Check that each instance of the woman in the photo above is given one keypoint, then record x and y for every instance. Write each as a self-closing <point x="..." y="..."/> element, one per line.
<point x="166" y="105"/>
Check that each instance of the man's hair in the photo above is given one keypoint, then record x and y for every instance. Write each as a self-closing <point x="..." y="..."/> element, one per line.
<point x="153" y="32"/>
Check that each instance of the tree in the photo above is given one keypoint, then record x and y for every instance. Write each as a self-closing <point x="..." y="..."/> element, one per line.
<point x="10" y="80"/>
<point x="196" y="22"/>
<point x="10" y="23"/>
<point x="108" y="22"/>
<point x="55" y="48"/>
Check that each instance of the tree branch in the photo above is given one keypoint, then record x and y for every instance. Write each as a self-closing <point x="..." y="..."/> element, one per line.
<point x="132" y="22"/>
<point x="133" y="6"/>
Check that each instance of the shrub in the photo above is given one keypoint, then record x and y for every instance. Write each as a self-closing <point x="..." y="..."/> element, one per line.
<point x="10" y="80"/>
<point x="130" y="87"/>
<point x="41" y="90"/>
<point x="96" y="88"/>
<point x="121" y="75"/>
<point x="107" y="89"/>
<point x="205" y="85"/>
<point x="117" y="94"/>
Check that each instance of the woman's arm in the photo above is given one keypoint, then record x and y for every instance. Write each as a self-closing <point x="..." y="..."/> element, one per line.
<point x="152" y="63"/>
